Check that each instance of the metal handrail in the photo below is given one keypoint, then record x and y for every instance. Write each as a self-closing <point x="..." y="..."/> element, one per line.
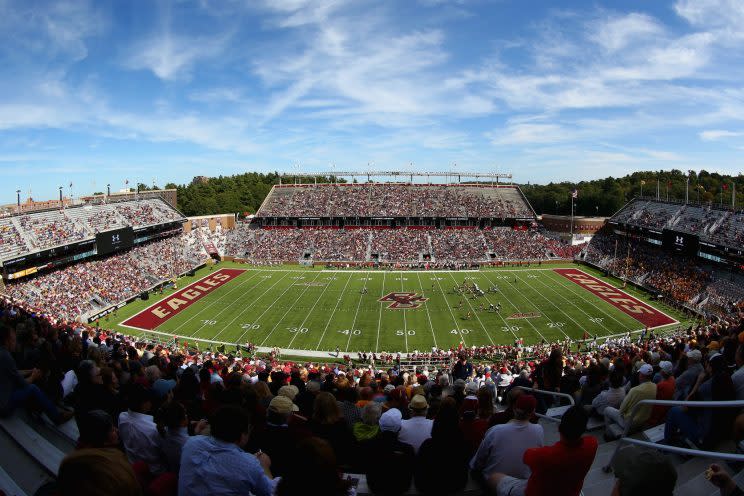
<point x="674" y="449"/>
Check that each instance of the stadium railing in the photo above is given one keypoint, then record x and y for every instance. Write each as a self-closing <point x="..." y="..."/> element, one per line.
<point x="676" y="449"/>
<point x="553" y="414"/>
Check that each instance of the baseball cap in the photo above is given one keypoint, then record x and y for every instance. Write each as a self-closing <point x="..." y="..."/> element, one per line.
<point x="282" y="404"/>
<point x="666" y="367"/>
<point x="390" y="420"/>
<point x="696" y="355"/>
<point x="644" y="471"/>
<point x="526" y="403"/>
<point x="418" y="403"/>
<point x="646" y="370"/>
<point x="162" y="387"/>
<point x="389" y="388"/>
<point x="288" y="391"/>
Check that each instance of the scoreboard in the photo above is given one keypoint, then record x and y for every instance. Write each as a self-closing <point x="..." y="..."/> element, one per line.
<point x="681" y="242"/>
<point x="113" y="241"/>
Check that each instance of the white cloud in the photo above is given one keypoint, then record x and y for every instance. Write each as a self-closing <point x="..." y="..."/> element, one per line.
<point x="172" y="57"/>
<point x="616" y="33"/>
<point x="718" y="134"/>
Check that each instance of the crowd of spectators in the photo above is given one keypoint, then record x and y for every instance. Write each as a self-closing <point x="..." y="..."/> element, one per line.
<point x="169" y="419"/>
<point x="51" y="229"/>
<point x="48" y="229"/>
<point x="146" y="212"/>
<point x="407" y="245"/>
<point x="394" y="200"/>
<point x="77" y="290"/>
<point x="678" y="276"/>
<point x="713" y="224"/>
<point x="11" y="241"/>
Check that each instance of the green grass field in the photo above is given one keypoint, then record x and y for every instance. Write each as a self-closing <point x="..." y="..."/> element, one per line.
<point x="316" y="309"/>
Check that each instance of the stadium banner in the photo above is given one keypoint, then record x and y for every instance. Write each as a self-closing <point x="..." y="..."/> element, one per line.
<point x="155" y="315"/>
<point x="680" y="242"/>
<point x="112" y="241"/>
<point x="642" y="312"/>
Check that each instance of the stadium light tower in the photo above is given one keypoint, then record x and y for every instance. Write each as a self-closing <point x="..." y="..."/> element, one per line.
<point x="60" y="195"/>
<point x="18" y="199"/>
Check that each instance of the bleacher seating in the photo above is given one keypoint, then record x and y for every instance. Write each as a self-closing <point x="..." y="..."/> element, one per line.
<point x="715" y="225"/>
<point x="30" y="232"/>
<point x="395" y="200"/>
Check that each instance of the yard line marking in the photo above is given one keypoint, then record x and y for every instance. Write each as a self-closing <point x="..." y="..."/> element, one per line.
<point x="516" y="309"/>
<point x="289" y="309"/>
<point x="356" y="314"/>
<point x="271" y="305"/>
<point x="405" y="323"/>
<point x="559" y="308"/>
<point x="580" y="296"/>
<point x="431" y="326"/>
<point x="317" y="300"/>
<point x="343" y="291"/>
<point x="446" y="303"/>
<point x="476" y="315"/>
<point x="379" y="320"/>
<point x="253" y="302"/>
<point x="215" y="302"/>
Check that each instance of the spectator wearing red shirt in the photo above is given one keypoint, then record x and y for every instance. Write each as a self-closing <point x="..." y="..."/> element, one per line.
<point x="664" y="391"/>
<point x="558" y="470"/>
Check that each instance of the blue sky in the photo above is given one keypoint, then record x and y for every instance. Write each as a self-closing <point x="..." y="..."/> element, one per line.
<point x="100" y="92"/>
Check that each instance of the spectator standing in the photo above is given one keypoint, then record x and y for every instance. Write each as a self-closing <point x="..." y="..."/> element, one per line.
<point x="687" y="379"/>
<point x="612" y="397"/>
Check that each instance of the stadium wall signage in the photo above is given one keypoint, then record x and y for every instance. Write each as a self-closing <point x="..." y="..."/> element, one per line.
<point x="155" y="315"/>
<point x="643" y="313"/>
<point x="403" y="301"/>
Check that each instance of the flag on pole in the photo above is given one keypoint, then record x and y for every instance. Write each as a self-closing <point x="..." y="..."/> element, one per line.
<point x="126" y="181"/>
<point x="71" y="184"/>
<point x="643" y="182"/>
<point x="575" y="193"/>
<point x="725" y="187"/>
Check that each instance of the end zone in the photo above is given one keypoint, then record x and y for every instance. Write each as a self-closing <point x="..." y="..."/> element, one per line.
<point x="642" y="312"/>
<point x="155" y="315"/>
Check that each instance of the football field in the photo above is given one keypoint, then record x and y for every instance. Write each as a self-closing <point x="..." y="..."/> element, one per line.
<point x="318" y="309"/>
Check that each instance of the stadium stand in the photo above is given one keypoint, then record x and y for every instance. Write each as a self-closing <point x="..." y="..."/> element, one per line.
<point x="395" y="200"/>
<point x="352" y="411"/>
<point x="79" y="290"/>
<point x="401" y="245"/>
<point x="42" y="230"/>
<point x="712" y="224"/>
<point x="685" y="280"/>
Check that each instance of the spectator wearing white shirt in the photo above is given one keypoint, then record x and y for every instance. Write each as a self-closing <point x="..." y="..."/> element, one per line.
<point x="611" y="397"/>
<point x="138" y="431"/>
<point x="417" y="429"/>
<point x="502" y="450"/>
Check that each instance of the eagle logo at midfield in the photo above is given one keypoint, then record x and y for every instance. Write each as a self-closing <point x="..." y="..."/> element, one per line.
<point x="403" y="300"/>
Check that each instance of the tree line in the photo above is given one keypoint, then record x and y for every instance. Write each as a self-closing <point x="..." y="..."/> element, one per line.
<point x="244" y="193"/>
